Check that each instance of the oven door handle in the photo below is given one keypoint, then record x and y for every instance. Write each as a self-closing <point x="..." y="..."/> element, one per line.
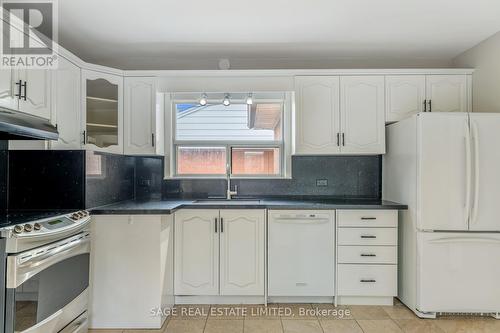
<point x="19" y="271"/>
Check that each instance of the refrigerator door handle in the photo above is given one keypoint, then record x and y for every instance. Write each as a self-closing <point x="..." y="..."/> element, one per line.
<point x="475" y="138"/>
<point x="468" y="173"/>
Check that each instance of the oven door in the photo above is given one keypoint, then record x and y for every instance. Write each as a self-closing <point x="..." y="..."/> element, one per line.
<point x="47" y="286"/>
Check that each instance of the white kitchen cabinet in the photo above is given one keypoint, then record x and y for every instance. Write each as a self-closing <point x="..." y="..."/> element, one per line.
<point x="317" y="115"/>
<point x="362" y="114"/>
<point x="219" y="252"/>
<point x="8" y="89"/>
<point x="36" y="91"/>
<point x="410" y="94"/>
<point x="242" y="245"/>
<point x="131" y="270"/>
<point x="339" y="115"/>
<point x="143" y="118"/>
<point x="197" y="252"/>
<point x="102" y="111"/>
<point x="404" y="96"/>
<point x="446" y="93"/>
<point x="367" y="256"/>
<point x="66" y="111"/>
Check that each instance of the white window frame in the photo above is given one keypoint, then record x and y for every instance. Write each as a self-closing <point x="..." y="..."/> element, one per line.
<point x="284" y="145"/>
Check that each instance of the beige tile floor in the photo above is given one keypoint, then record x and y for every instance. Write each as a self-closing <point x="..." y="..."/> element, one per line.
<point x="292" y="318"/>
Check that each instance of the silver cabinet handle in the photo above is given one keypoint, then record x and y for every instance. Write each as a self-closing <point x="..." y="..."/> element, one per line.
<point x="216" y="222"/>
<point x="367" y="281"/>
<point x="368" y="236"/>
<point x="368" y="218"/>
<point x="221" y="224"/>
<point x="368" y="255"/>
<point x="425" y="105"/>
<point x="430" y="105"/>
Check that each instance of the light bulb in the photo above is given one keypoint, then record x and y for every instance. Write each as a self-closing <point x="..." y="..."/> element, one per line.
<point x="249" y="99"/>
<point x="226" y="101"/>
<point x="203" y="100"/>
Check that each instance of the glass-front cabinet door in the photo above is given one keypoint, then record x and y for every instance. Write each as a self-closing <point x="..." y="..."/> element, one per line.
<point x="103" y="111"/>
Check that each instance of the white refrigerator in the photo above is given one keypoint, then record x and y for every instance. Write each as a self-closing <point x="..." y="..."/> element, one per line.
<point x="446" y="167"/>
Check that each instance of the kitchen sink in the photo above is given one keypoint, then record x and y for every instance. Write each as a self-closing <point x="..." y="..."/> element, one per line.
<point x="227" y="202"/>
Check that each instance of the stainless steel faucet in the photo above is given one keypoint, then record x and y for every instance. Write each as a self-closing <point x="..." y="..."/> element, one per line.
<point x="230" y="193"/>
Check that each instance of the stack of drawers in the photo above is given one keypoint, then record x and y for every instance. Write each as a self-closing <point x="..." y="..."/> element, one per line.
<point x="367" y="256"/>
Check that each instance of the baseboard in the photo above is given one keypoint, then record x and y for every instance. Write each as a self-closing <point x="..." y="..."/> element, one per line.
<point x="362" y="300"/>
<point x="300" y="299"/>
<point x="219" y="299"/>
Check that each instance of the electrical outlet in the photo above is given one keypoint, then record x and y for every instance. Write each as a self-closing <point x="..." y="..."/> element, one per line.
<point x="321" y="182"/>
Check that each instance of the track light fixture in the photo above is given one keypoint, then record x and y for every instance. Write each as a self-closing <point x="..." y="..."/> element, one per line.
<point x="249" y="99"/>
<point x="226" y="101"/>
<point x="203" y="99"/>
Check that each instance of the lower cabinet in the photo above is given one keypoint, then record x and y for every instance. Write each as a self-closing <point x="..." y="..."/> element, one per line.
<point x="219" y="252"/>
<point x="367" y="256"/>
<point x="131" y="270"/>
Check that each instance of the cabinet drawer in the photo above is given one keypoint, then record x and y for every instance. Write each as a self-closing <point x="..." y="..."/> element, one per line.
<point x="367" y="280"/>
<point x="367" y="255"/>
<point x="367" y="218"/>
<point x="368" y="236"/>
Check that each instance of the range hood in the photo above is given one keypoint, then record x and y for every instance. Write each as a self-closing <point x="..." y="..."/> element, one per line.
<point x="15" y="125"/>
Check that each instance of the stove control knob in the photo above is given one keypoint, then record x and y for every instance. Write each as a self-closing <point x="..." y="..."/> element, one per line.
<point x="75" y="216"/>
<point x="37" y="226"/>
<point x="18" y="229"/>
<point x="28" y="227"/>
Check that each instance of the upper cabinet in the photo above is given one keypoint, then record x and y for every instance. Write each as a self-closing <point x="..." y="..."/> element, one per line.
<point x="340" y="115"/>
<point x="404" y="96"/>
<point x="446" y="93"/>
<point x="7" y="89"/>
<point x="317" y="115"/>
<point x="26" y="90"/>
<point x="143" y="119"/>
<point x="362" y="115"/>
<point x="102" y="115"/>
<point x="410" y="94"/>
<point x="66" y="112"/>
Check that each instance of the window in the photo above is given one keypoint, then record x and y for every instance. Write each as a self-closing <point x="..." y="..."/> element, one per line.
<point x="242" y="140"/>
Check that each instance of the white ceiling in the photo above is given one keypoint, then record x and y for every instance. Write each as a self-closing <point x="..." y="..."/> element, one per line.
<point x="192" y="34"/>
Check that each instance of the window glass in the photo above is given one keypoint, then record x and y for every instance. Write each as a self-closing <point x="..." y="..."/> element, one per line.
<point x="255" y="161"/>
<point x="236" y="122"/>
<point x="201" y="160"/>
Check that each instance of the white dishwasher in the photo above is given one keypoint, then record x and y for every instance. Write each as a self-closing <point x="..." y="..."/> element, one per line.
<point x="301" y="253"/>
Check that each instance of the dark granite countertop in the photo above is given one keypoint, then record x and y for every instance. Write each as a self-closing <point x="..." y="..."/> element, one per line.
<point x="169" y="206"/>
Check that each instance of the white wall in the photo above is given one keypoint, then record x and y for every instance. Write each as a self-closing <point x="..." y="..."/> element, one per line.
<point x="485" y="58"/>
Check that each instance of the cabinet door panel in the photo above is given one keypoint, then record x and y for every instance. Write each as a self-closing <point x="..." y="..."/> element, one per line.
<point x="317" y="115"/>
<point x="140" y="110"/>
<point x="362" y="114"/>
<point x="404" y="96"/>
<point x="447" y="93"/>
<point x="196" y="252"/>
<point x="66" y="112"/>
<point x="8" y="89"/>
<point x="37" y="91"/>
<point x="242" y="244"/>
<point x="102" y="111"/>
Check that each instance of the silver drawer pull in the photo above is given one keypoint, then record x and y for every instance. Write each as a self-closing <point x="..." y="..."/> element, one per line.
<point x="368" y="236"/>
<point x="368" y="255"/>
<point x="368" y="218"/>
<point x="368" y="281"/>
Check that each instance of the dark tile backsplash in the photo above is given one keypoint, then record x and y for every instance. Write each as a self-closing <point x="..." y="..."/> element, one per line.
<point x="46" y="179"/>
<point x="109" y="178"/>
<point x="148" y="178"/>
<point x="346" y="177"/>
<point x="79" y="179"/>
